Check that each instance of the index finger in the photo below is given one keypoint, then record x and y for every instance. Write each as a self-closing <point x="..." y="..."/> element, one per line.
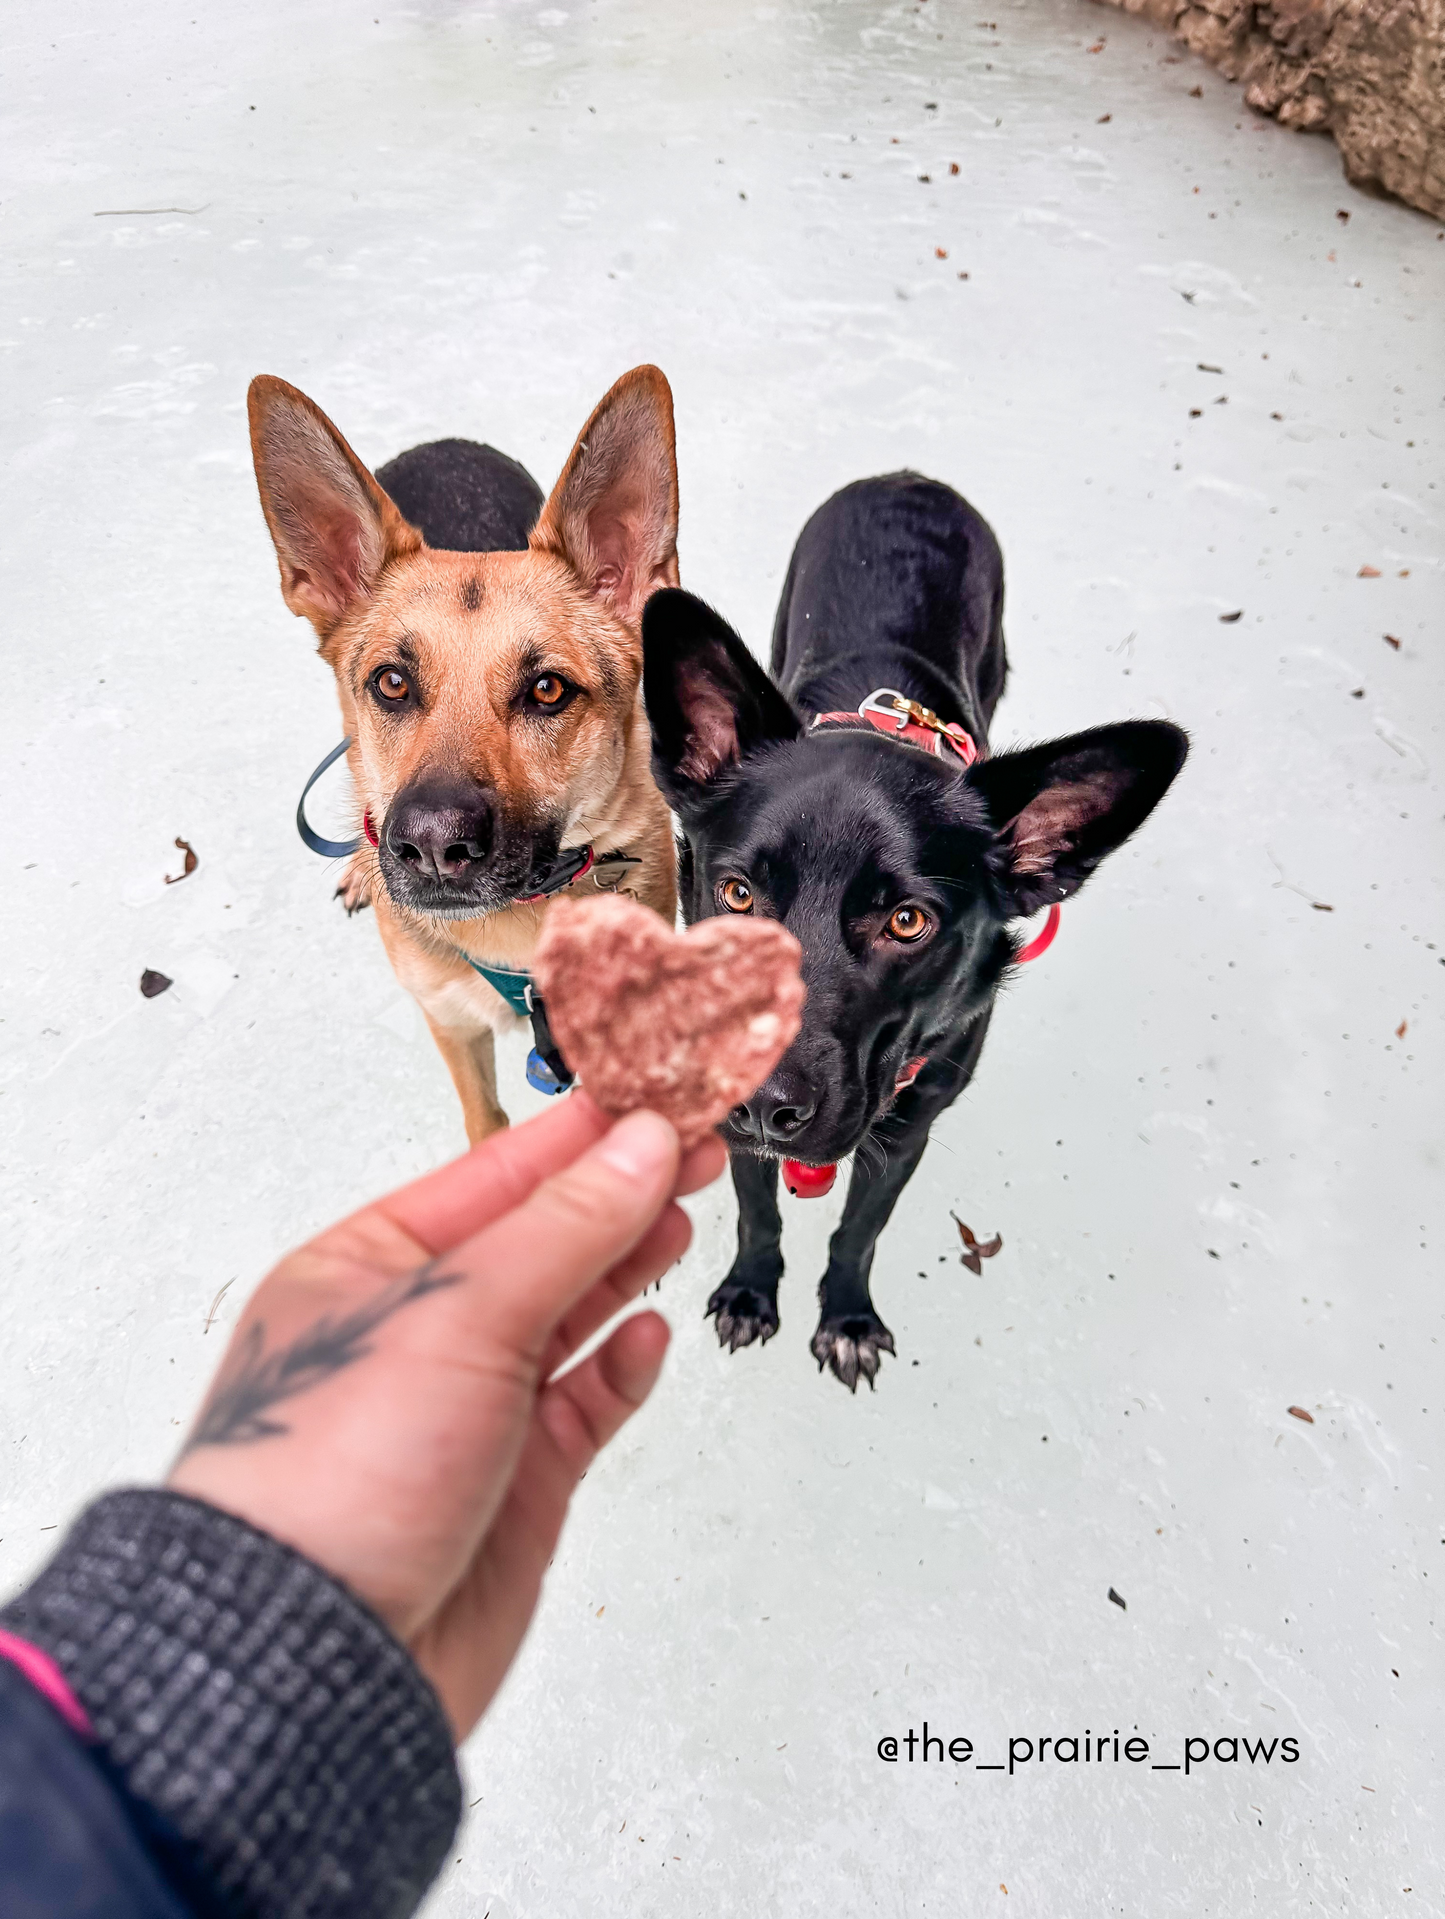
<point x="443" y="1208"/>
<point x="542" y="1256"/>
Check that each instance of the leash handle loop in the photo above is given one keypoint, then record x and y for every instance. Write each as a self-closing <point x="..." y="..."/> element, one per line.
<point x="328" y="849"/>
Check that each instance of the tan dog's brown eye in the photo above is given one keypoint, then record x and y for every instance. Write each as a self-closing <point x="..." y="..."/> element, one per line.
<point x="392" y="685"/>
<point x="908" y="923"/>
<point x="549" y="690"/>
<point x="736" y="896"/>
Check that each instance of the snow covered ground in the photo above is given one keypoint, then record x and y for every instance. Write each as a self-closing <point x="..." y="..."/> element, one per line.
<point x="1047" y="260"/>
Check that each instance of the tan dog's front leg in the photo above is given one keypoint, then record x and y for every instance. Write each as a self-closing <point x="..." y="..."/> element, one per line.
<point x="471" y="1058"/>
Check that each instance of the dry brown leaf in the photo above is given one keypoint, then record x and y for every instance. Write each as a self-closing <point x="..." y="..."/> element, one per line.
<point x="1368" y="573"/>
<point x="188" y="864"/>
<point x="974" y="1250"/>
<point x="1401" y="1029"/>
<point x="1298" y="1412"/>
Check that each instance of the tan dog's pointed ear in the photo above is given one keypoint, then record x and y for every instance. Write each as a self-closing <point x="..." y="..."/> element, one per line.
<point x="334" y="528"/>
<point x="613" y="513"/>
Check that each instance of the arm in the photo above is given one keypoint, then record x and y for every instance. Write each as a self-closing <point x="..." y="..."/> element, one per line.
<point x="278" y="1650"/>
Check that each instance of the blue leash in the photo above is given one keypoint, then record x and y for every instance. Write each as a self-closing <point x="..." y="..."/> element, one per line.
<point x="547" y="1071"/>
<point x="328" y="849"/>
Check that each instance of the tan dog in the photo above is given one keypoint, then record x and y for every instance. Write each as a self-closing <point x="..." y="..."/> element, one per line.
<point x="492" y="698"/>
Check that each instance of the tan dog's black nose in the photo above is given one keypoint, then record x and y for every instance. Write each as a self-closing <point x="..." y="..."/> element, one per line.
<point x="441" y="831"/>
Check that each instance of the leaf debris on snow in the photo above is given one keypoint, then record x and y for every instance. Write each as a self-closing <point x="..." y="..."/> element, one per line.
<point x="975" y="1250"/>
<point x="188" y="864"/>
<point x="1298" y="1412"/>
<point x="153" y="983"/>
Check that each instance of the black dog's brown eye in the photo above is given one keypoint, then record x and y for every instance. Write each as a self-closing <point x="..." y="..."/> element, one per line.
<point x="392" y="685"/>
<point x="548" y="690"/>
<point x="736" y="896"/>
<point x="908" y="923"/>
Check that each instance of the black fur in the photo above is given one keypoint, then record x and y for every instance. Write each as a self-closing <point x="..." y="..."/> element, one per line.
<point x="895" y="582"/>
<point x="462" y="497"/>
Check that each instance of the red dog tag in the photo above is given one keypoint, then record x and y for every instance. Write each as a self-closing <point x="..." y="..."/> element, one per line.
<point x="808" y="1182"/>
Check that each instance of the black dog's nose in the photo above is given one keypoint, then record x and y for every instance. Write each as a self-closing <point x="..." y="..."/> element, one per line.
<point x="442" y="832"/>
<point x="778" y="1111"/>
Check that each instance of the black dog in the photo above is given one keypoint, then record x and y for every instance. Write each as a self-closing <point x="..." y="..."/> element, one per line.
<point x="899" y="869"/>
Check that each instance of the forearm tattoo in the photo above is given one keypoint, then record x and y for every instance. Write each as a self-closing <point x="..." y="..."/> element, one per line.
<point x="254" y="1381"/>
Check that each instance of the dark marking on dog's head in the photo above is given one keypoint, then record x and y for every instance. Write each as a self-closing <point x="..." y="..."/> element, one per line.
<point x="899" y="872"/>
<point x="492" y="693"/>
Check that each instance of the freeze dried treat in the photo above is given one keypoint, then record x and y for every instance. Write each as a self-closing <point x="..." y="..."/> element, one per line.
<point x="688" y="1024"/>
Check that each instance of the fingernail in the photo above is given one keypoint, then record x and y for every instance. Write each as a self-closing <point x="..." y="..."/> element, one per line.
<point x="638" y="1145"/>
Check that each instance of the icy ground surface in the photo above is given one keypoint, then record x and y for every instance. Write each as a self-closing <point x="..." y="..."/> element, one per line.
<point x="1204" y="1124"/>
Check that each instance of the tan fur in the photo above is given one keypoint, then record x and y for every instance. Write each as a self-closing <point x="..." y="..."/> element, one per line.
<point x="571" y="604"/>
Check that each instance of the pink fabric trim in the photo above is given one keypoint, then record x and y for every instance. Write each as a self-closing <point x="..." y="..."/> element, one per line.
<point x="46" y="1677"/>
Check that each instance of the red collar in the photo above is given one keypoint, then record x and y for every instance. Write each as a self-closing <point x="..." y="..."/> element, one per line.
<point x="900" y="718"/>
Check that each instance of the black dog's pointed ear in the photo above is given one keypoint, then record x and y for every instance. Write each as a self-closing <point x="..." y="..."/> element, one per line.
<point x="1060" y="808"/>
<point x="708" y="701"/>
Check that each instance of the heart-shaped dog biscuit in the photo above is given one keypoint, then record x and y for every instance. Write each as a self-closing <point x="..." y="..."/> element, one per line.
<point x="688" y="1024"/>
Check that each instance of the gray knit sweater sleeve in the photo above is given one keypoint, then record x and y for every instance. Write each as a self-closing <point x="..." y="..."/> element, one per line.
<point x="265" y="1715"/>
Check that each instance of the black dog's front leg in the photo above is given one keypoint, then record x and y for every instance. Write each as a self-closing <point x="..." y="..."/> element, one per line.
<point x="746" y="1304"/>
<point x="851" y="1339"/>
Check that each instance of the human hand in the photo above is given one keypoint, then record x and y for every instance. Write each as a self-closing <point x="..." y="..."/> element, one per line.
<point x="389" y="1403"/>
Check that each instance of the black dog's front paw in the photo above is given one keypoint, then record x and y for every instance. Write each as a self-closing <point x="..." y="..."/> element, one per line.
<point x="744" y="1313"/>
<point x="853" y="1345"/>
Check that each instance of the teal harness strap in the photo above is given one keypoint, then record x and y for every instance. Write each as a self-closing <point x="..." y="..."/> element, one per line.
<point x="514" y="987"/>
<point x="547" y="1071"/>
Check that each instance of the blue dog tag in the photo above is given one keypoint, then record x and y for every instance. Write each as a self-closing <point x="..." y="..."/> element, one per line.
<point x="540" y="1076"/>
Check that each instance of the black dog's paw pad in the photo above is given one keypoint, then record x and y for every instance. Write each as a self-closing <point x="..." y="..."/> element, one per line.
<point x="852" y="1345"/>
<point x="743" y="1315"/>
